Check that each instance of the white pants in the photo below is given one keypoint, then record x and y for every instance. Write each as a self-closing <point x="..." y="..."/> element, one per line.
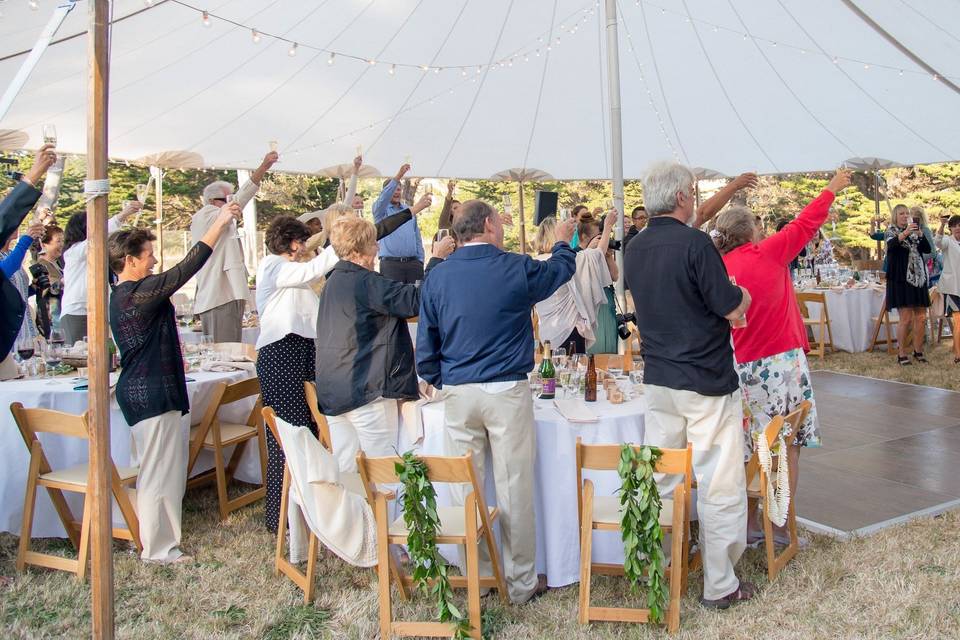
<point x="160" y="446"/>
<point x="714" y="426"/>
<point x="372" y="428"/>
<point x="475" y="417"/>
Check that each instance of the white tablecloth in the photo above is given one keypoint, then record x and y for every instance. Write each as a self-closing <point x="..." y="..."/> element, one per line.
<point x="64" y="451"/>
<point x="250" y="335"/>
<point x="555" y="490"/>
<point x="851" y="315"/>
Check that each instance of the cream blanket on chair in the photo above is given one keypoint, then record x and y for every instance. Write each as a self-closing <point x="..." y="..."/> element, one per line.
<point x="341" y="520"/>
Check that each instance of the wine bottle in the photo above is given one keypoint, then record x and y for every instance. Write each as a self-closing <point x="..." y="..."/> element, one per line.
<point x="590" y="391"/>
<point x="548" y="374"/>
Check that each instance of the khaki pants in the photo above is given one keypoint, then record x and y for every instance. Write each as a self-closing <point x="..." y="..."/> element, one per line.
<point x="371" y="428"/>
<point x="714" y="426"/>
<point x="160" y="446"/>
<point x="475" y="417"/>
<point x="224" y="323"/>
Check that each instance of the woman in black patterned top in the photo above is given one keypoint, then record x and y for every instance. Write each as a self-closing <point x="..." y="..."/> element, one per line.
<point x="152" y="390"/>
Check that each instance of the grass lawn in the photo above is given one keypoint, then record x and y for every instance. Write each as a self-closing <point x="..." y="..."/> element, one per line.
<point x="903" y="582"/>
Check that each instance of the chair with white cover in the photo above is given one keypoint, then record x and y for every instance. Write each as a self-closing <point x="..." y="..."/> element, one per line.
<point x="465" y="525"/>
<point x="603" y="513"/>
<point x="294" y="509"/>
<point x="75" y="479"/>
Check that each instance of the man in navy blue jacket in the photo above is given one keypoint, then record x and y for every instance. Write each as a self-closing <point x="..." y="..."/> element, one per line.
<point x="475" y="341"/>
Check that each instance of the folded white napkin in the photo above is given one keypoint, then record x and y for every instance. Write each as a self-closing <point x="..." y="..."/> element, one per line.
<point x="575" y="410"/>
<point x="221" y="366"/>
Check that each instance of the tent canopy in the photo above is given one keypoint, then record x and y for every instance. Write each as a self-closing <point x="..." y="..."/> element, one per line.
<point x="467" y="88"/>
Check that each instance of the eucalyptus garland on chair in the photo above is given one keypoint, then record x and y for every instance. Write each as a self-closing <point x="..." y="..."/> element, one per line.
<point x="640" y="525"/>
<point x="419" y="502"/>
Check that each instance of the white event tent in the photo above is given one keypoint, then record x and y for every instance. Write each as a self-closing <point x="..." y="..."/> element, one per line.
<point x="468" y="88"/>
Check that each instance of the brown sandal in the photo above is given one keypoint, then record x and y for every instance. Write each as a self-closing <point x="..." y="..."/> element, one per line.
<point x="744" y="592"/>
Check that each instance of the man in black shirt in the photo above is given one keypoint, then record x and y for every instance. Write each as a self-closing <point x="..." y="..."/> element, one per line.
<point x="684" y="304"/>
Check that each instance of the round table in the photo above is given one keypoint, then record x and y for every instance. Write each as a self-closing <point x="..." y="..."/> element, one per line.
<point x="65" y="451"/>
<point x="555" y="484"/>
<point x="852" y="312"/>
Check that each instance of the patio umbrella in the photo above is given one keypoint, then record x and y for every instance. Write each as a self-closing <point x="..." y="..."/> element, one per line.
<point x="702" y="173"/>
<point x="873" y="165"/>
<point x="520" y="176"/>
<point x="12" y="139"/>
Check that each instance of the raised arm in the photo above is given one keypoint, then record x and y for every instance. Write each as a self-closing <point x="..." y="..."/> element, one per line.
<point x="785" y="245"/>
<point x="12" y="263"/>
<point x="297" y="274"/>
<point x="354" y="175"/>
<point x="446" y="213"/>
<point x="383" y="200"/>
<point x="392" y="298"/>
<point x="546" y="276"/>
<point x="712" y="206"/>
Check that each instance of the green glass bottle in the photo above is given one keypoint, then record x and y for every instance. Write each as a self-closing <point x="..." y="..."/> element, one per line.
<point x="548" y="374"/>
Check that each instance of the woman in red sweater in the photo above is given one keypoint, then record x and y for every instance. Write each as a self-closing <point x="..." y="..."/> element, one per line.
<point x="770" y="350"/>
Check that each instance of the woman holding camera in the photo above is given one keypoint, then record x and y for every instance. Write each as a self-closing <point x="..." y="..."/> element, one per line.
<point x="570" y="314"/>
<point x="907" y="280"/>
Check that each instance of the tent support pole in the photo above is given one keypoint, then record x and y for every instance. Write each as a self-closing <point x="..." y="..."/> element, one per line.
<point x="101" y="557"/>
<point x="523" y="223"/>
<point x="616" y="133"/>
<point x="157" y="174"/>
<point x="876" y="198"/>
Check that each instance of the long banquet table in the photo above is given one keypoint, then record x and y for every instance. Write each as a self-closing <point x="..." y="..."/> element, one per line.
<point x="65" y="451"/>
<point x="555" y="478"/>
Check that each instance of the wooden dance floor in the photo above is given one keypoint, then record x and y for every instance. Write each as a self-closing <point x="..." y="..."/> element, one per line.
<point x="890" y="453"/>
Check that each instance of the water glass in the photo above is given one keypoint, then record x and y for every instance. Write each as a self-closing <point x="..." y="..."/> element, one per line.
<point x="206" y="346"/>
<point x="536" y="383"/>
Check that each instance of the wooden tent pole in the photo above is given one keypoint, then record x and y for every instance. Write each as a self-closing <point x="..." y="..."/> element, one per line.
<point x="101" y="575"/>
<point x="523" y="223"/>
<point x="157" y="173"/>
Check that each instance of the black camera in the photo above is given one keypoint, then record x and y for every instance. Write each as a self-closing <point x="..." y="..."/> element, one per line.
<point x="614" y="244"/>
<point x="622" y="319"/>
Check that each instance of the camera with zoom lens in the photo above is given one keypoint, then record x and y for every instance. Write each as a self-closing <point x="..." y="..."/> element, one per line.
<point x="622" y="319"/>
<point x="615" y="245"/>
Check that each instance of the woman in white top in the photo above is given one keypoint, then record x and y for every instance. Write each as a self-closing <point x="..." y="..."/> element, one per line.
<point x="73" y="304"/>
<point x="570" y="314"/>
<point x="949" y="284"/>
<point x="288" y="325"/>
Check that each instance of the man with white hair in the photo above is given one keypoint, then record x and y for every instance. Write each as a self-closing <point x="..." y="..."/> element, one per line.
<point x="222" y="291"/>
<point x="684" y="305"/>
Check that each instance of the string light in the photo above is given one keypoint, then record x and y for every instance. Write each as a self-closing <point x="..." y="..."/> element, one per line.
<point x="393" y="69"/>
<point x="293" y="50"/>
<point x="34" y="4"/>
<point x="371" y="62"/>
<point x="330" y="59"/>
<point x="255" y="35"/>
<point x="205" y="19"/>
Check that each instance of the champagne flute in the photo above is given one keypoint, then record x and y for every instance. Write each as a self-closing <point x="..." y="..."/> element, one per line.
<point x="140" y="191"/>
<point x="274" y="145"/>
<point x="49" y="133"/>
<point x="442" y="233"/>
<point x="507" y="204"/>
<point x="560" y="357"/>
<point x="236" y="223"/>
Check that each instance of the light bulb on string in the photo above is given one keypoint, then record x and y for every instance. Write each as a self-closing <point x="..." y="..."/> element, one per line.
<point x="424" y="68"/>
<point x="463" y="73"/>
<point x="479" y="69"/>
<point x="331" y="58"/>
<point x="34" y="4"/>
<point x="205" y="19"/>
<point x="255" y="35"/>
<point x="393" y="69"/>
<point x="437" y="70"/>
<point x="371" y="62"/>
<point x="293" y="50"/>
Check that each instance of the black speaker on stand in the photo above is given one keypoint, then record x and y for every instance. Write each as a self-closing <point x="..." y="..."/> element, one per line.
<point x="544" y="206"/>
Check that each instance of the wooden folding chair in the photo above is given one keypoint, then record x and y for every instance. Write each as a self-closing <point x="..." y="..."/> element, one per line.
<point x="822" y="323"/>
<point x="75" y="479"/>
<point x="458" y="525"/>
<point x="885" y="321"/>
<point x="603" y="513"/>
<point x="351" y="482"/>
<point x="213" y="434"/>
<point x="935" y="315"/>
<point x="757" y="492"/>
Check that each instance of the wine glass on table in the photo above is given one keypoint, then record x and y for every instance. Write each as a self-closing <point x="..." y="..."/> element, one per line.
<point x="25" y="350"/>
<point x="52" y="357"/>
<point x="56" y="337"/>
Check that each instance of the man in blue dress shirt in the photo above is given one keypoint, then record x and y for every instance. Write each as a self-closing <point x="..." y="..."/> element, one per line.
<point x="401" y="253"/>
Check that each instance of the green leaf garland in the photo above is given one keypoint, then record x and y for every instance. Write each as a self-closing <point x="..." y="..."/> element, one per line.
<point x="419" y="503"/>
<point x="640" y="525"/>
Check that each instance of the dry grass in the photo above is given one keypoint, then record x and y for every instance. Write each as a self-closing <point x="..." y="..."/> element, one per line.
<point x="903" y="582"/>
